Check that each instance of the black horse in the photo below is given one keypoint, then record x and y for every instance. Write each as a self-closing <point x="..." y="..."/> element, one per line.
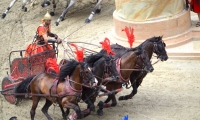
<point x="152" y="45"/>
<point x="102" y="67"/>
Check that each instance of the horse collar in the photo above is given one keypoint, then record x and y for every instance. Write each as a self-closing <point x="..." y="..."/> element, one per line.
<point x="118" y="62"/>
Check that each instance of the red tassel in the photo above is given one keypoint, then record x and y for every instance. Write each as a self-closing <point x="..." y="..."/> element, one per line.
<point x="130" y="35"/>
<point x="79" y="53"/>
<point x="106" y="46"/>
<point x="52" y="64"/>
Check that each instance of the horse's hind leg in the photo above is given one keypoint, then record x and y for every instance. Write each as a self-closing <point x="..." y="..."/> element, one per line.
<point x="93" y="11"/>
<point x="23" y="5"/>
<point x="11" y="4"/>
<point x="54" y="2"/>
<point x="45" y="3"/>
<point x="61" y="18"/>
<point x="64" y="114"/>
<point x="34" y="106"/>
<point x="45" y="109"/>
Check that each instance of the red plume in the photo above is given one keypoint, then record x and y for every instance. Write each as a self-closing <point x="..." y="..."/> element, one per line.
<point x="106" y="46"/>
<point x="51" y="64"/>
<point x="129" y="34"/>
<point x="79" y="53"/>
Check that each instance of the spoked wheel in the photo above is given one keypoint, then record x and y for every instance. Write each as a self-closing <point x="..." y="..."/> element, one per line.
<point x="10" y="98"/>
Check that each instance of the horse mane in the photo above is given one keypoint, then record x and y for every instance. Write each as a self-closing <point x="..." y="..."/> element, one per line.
<point x="67" y="69"/>
<point x="91" y="59"/>
<point x="152" y="39"/>
<point x="137" y="50"/>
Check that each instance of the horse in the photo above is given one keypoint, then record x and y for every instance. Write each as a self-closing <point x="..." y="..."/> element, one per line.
<point x="96" y="9"/>
<point x="125" y="64"/>
<point x="152" y="45"/>
<point x="24" y="8"/>
<point x="65" y="90"/>
<point x="103" y="66"/>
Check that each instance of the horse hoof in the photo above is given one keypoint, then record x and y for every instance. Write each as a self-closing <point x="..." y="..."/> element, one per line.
<point x="45" y="4"/>
<point x="100" y="112"/>
<point x="87" y="21"/>
<point x="3" y="15"/>
<point x="24" y="9"/>
<point x="61" y="18"/>
<point x="13" y="118"/>
<point x="56" y="23"/>
<point x="92" y="108"/>
<point x="52" y="13"/>
<point x="121" y="98"/>
<point x="97" y="11"/>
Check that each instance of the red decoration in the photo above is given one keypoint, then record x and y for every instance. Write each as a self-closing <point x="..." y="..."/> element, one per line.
<point x="79" y="53"/>
<point x="106" y="46"/>
<point x="51" y="64"/>
<point x="129" y="34"/>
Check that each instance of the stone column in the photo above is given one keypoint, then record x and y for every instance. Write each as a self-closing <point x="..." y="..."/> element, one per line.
<point x="150" y="18"/>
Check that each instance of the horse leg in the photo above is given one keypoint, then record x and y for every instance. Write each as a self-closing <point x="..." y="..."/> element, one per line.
<point x="64" y="114"/>
<point x="54" y="2"/>
<point x="187" y="4"/>
<point x="61" y="18"/>
<point x="93" y="11"/>
<point x="78" y="115"/>
<point x="90" y="104"/>
<point x="45" y="109"/>
<point x="34" y="106"/>
<point x="100" y="110"/>
<point x="23" y="5"/>
<point x="11" y="4"/>
<point x="134" y="91"/>
<point x="45" y="3"/>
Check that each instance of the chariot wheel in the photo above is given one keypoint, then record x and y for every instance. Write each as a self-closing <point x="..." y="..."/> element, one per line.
<point x="10" y="98"/>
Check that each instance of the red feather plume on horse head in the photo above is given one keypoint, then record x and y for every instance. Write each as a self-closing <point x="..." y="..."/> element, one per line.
<point x="129" y="34"/>
<point x="79" y="53"/>
<point x="106" y="46"/>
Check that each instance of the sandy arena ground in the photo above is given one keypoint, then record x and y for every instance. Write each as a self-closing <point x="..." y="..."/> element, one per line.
<point x="171" y="92"/>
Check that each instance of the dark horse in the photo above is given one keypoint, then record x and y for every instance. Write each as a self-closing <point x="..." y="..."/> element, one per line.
<point x="125" y="65"/>
<point x="103" y="66"/>
<point x="66" y="91"/>
<point x="152" y="45"/>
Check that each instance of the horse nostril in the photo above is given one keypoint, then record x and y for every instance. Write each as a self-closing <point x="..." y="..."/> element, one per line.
<point x="152" y="69"/>
<point x="117" y="77"/>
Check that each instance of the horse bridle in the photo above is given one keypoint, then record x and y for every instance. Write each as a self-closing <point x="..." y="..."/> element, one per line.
<point x="85" y="75"/>
<point x="141" y="58"/>
<point x="107" y="66"/>
<point x="155" y="48"/>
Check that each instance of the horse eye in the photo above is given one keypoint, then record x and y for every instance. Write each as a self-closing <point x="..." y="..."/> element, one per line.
<point x="164" y="44"/>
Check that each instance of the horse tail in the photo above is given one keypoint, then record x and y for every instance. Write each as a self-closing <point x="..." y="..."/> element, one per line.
<point x="23" y="87"/>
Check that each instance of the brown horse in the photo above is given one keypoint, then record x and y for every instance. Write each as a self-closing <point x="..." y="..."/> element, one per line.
<point x="65" y="90"/>
<point x="128" y="61"/>
<point x="152" y="45"/>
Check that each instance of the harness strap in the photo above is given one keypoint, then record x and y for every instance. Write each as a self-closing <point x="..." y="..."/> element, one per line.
<point x="118" y="62"/>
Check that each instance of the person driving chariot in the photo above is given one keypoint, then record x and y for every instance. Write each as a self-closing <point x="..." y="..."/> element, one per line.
<point x="40" y="43"/>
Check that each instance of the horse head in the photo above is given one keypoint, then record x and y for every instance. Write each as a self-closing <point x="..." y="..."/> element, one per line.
<point x="159" y="48"/>
<point x="87" y="75"/>
<point x="110" y="67"/>
<point x="143" y="61"/>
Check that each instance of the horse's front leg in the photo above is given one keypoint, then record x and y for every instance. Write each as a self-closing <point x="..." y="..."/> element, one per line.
<point x="45" y="3"/>
<point x="186" y="4"/>
<point x="61" y="18"/>
<point x="78" y="115"/>
<point x="11" y="4"/>
<point x="134" y="91"/>
<point x="24" y="4"/>
<point x="96" y="9"/>
<point x="54" y="2"/>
